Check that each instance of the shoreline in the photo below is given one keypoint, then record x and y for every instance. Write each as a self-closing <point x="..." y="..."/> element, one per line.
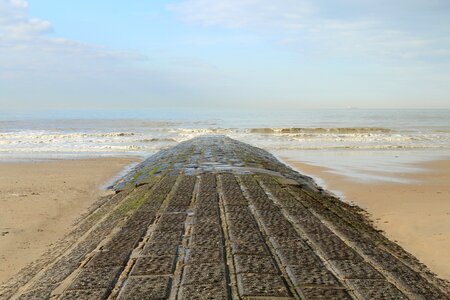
<point x="42" y="200"/>
<point x="415" y="214"/>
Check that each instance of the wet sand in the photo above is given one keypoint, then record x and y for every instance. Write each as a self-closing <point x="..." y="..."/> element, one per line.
<point x="416" y="215"/>
<point x="40" y="202"/>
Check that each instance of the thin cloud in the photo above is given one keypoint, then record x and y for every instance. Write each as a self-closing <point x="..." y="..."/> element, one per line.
<point x="24" y="41"/>
<point x="307" y="24"/>
<point x="38" y="68"/>
<point x="244" y="13"/>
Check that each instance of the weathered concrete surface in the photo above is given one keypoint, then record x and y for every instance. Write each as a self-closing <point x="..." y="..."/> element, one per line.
<point x="214" y="218"/>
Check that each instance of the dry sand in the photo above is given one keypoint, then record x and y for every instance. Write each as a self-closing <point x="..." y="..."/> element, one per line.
<point x="40" y="202"/>
<point x="416" y="215"/>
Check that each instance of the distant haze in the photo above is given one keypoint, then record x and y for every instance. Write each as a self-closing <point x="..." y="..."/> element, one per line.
<point x="222" y="54"/>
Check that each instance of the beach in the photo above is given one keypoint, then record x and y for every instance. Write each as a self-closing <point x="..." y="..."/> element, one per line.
<point x="388" y="171"/>
<point x="415" y="214"/>
<point x="191" y="149"/>
<point x="41" y="201"/>
<point x="187" y="223"/>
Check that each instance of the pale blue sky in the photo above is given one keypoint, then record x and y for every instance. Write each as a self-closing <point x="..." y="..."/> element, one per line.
<point x="78" y="54"/>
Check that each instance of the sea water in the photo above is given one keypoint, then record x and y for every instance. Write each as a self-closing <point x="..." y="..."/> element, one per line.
<point x="363" y="144"/>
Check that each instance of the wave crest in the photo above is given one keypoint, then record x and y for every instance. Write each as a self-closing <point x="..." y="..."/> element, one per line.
<point x="319" y="130"/>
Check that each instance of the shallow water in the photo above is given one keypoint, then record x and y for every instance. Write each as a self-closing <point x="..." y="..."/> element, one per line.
<point x="369" y="165"/>
<point x="368" y="144"/>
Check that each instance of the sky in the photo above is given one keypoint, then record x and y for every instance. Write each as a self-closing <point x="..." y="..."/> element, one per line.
<point x="238" y="54"/>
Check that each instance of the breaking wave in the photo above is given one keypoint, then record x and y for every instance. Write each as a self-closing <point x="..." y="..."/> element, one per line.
<point x="348" y="130"/>
<point x="153" y="140"/>
<point x="146" y="140"/>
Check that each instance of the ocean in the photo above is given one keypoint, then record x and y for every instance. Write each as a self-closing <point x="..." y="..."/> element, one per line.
<point x="356" y="142"/>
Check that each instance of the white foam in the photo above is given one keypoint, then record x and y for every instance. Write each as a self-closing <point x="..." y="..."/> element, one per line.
<point x="54" y="141"/>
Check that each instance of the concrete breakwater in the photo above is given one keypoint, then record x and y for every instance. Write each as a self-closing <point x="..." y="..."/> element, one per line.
<point x="214" y="218"/>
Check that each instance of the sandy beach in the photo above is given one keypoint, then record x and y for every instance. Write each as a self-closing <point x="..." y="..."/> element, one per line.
<point x="416" y="214"/>
<point x="172" y="233"/>
<point x="41" y="201"/>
